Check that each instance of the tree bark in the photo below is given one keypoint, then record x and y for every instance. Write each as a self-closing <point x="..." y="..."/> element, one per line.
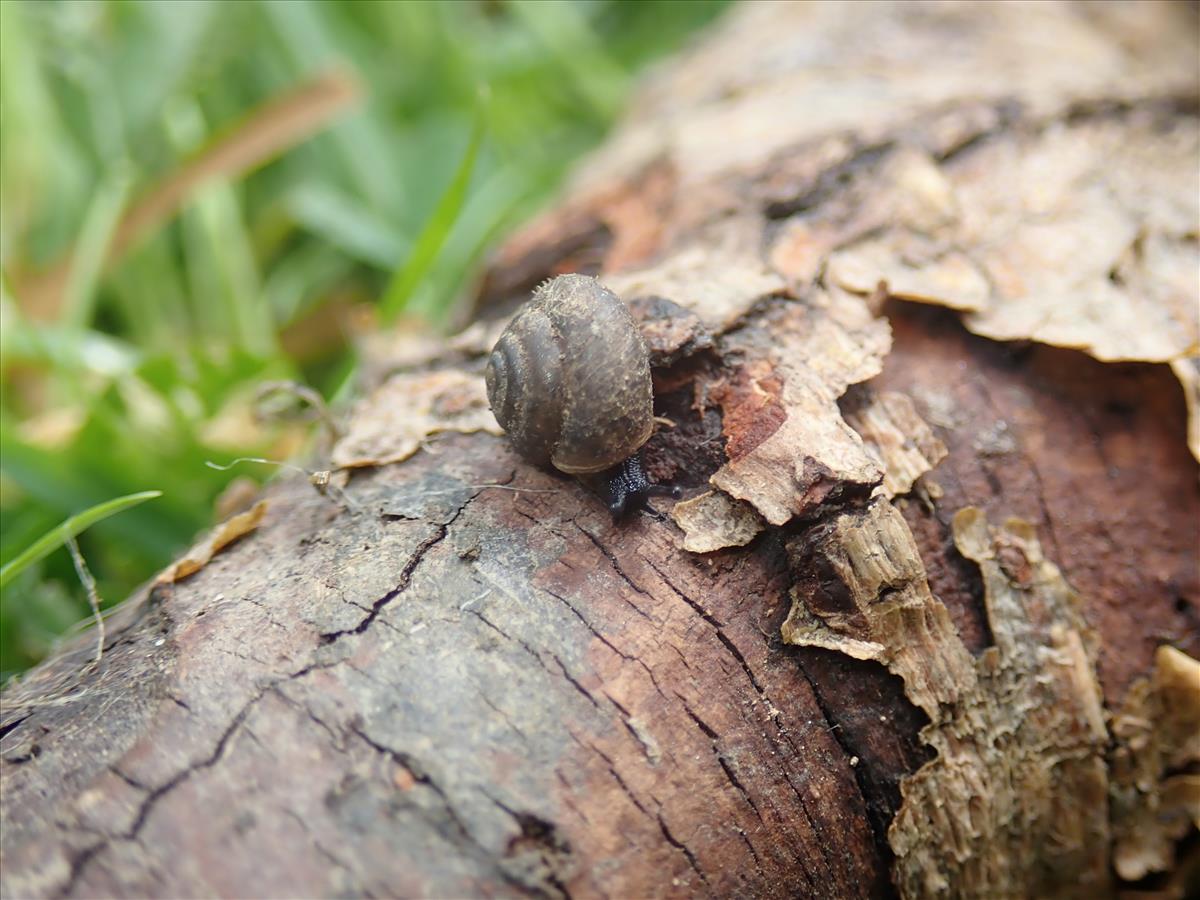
<point x="925" y="622"/>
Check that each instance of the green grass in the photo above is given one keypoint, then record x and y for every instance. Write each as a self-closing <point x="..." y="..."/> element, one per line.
<point x="64" y="532"/>
<point x="172" y="237"/>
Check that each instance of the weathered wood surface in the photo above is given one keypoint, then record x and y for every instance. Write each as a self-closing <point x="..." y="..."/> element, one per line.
<point x="466" y="681"/>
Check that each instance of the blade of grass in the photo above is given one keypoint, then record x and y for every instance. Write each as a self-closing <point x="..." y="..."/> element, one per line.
<point x="57" y="536"/>
<point x="267" y="132"/>
<point x="93" y="594"/>
<point x="359" y="152"/>
<point x="564" y="31"/>
<point x="221" y="220"/>
<point x="433" y="236"/>
<point x="94" y="239"/>
<point x="487" y="211"/>
<point x="344" y="222"/>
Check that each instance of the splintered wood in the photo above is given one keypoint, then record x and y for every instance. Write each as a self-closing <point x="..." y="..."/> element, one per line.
<point x="906" y="446"/>
<point x="1155" y="787"/>
<point x="991" y="718"/>
<point x="804" y="359"/>
<point x="714" y="520"/>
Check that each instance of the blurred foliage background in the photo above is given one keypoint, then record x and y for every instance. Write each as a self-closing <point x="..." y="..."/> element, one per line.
<point x="197" y="197"/>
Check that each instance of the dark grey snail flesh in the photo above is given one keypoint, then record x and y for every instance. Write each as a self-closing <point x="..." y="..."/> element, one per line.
<point x="626" y="487"/>
<point x="569" y="381"/>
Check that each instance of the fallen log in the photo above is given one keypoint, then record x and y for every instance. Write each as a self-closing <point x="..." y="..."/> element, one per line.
<point x="919" y="288"/>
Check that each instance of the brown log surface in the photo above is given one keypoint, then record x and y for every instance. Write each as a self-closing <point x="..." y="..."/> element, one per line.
<point x="455" y="676"/>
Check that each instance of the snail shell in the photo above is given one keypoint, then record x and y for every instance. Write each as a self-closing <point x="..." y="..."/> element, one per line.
<point x="569" y="379"/>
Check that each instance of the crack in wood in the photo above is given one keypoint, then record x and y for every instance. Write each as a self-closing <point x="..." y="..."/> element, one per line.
<point x="875" y="816"/>
<point x="612" y="559"/>
<point x="406" y="575"/>
<point x="422" y="776"/>
<point x="683" y="848"/>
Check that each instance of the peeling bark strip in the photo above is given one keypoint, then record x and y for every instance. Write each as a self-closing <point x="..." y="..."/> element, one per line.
<point x="1020" y="733"/>
<point x="460" y="679"/>
<point x="1019" y="765"/>
<point x="905" y="445"/>
<point x="1155" y="786"/>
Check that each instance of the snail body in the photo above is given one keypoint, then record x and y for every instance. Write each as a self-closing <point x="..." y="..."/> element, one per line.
<point x="569" y="381"/>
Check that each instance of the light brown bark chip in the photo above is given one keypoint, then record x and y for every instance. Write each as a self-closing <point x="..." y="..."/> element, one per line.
<point x="718" y="283"/>
<point x="390" y="424"/>
<point x="913" y="267"/>
<point x="1086" y="238"/>
<point x="886" y="612"/>
<point x="900" y="190"/>
<point x="905" y="445"/>
<point x="789" y="449"/>
<point x="715" y="520"/>
<point x="670" y="331"/>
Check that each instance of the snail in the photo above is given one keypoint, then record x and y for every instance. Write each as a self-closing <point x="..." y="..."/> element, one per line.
<point x="569" y="381"/>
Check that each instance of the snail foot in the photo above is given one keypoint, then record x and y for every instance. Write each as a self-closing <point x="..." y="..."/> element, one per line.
<point x="626" y="488"/>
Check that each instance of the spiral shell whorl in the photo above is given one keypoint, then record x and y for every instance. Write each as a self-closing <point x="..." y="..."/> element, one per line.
<point x="524" y="384"/>
<point x="569" y="379"/>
